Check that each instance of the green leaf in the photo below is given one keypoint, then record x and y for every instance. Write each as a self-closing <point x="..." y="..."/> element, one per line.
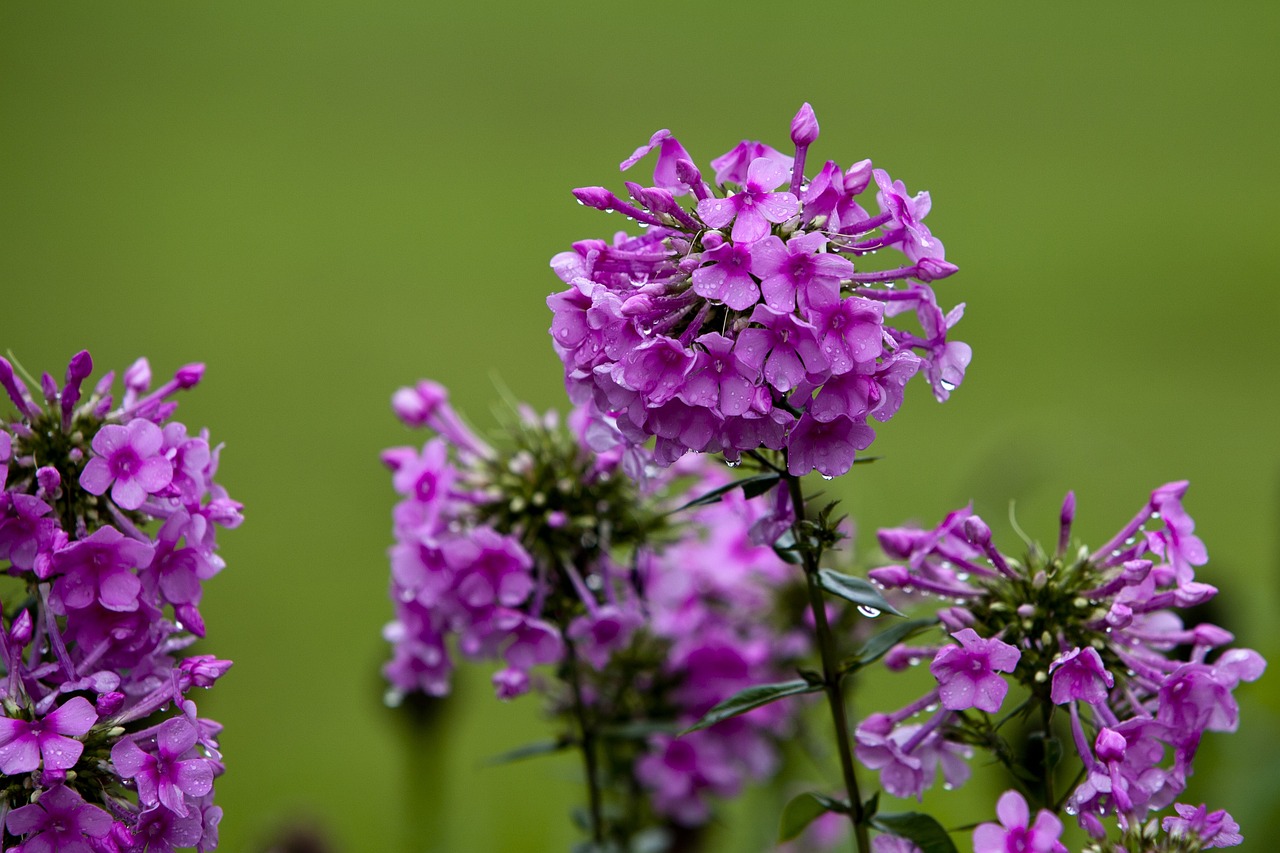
<point x="857" y="590"/>
<point x="532" y="750"/>
<point x="751" y="698"/>
<point x="879" y="645"/>
<point x="751" y="487"/>
<point x="638" y="729"/>
<point x="804" y="809"/>
<point x="921" y="829"/>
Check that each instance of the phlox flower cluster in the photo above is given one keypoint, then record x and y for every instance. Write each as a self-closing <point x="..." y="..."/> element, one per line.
<point x="750" y="315"/>
<point x="543" y="552"/>
<point x="107" y="533"/>
<point x="1090" y="635"/>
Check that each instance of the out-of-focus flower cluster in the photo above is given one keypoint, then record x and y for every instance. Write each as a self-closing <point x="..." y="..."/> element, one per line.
<point x="107" y="533"/>
<point x="543" y="552"/>
<point x="1091" y="633"/>
<point x="747" y="319"/>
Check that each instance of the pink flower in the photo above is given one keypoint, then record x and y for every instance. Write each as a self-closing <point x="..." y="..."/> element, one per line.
<point x="1013" y="833"/>
<point x="1079" y="674"/>
<point x="131" y="458"/>
<point x="967" y="674"/>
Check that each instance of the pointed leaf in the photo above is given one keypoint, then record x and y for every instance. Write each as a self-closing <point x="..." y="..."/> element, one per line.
<point x="531" y="750"/>
<point x="857" y="590"/>
<point x="879" y="645"/>
<point x="804" y="809"/>
<point x="750" y="699"/>
<point x="785" y="548"/>
<point x="921" y="829"/>
<point x="751" y="487"/>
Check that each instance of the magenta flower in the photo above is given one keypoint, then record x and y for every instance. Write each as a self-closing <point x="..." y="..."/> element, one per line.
<point x="174" y="770"/>
<point x="967" y="673"/>
<point x="756" y="206"/>
<point x="131" y="458"/>
<point x="726" y="277"/>
<point x="799" y="270"/>
<point x="98" y="569"/>
<point x="24" y="743"/>
<point x="60" y="822"/>
<point x="1013" y="832"/>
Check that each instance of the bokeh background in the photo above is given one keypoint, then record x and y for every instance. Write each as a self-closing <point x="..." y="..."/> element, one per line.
<point x="324" y="200"/>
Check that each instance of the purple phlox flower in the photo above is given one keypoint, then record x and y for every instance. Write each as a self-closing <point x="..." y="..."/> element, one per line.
<point x="492" y="569"/>
<point x="905" y="214"/>
<point x="426" y="478"/>
<point x="98" y="569"/>
<point x="850" y="332"/>
<point x="137" y="379"/>
<point x="1176" y="542"/>
<point x="733" y="165"/>
<point x="822" y="198"/>
<point x="28" y="532"/>
<point x="678" y="771"/>
<point x="967" y="673"/>
<point x="191" y="458"/>
<point x="599" y="634"/>
<point x="726" y="273"/>
<point x="1080" y="675"/>
<point x="717" y="380"/>
<point x="130" y="460"/>
<point x="670" y="151"/>
<point x="828" y="447"/>
<point x="160" y="830"/>
<point x="51" y="739"/>
<point x="892" y="376"/>
<point x="1122" y="769"/>
<point x="59" y="822"/>
<point x="909" y="756"/>
<point x="799" y="270"/>
<point x="757" y="205"/>
<point x="945" y="361"/>
<point x="173" y="772"/>
<point x="656" y="369"/>
<point x="1211" y="829"/>
<point x="420" y="661"/>
<point x="1015" y="832"/>
<point x="1196" y="697"/>
<point x="783" y="348"/>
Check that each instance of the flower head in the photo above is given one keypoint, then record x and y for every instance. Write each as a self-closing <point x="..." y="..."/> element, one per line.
<point x="780" y="273"/>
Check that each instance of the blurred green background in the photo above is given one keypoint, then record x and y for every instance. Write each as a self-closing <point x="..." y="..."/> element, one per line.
<point x="326" y="200"/>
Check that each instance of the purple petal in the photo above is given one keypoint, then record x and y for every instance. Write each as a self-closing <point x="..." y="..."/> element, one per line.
<point x="195" y="777"/>
<point x="176" y="736"/>
<point x="128" y="494"/>
<point x="110" y="439"/>
<point x="96" y="476"/>
<point x="146" y="437"/>
<point x="60" y="753"/>
<point x="129" y="758"/>
<point x="21" y="755"/>
<point x="119" y="591"/>
<point x="717" y="212"/>
<point x="155" y="474"/>
<point x="73" y="718"/>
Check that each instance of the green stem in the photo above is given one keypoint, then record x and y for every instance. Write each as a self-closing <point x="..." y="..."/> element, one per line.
<point x="830" y="673"/>
<point x="586" y="742"/>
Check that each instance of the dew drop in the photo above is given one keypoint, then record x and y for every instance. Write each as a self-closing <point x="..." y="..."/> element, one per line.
<point x="931" y="707"/>
<point x="947" y="386"/>
<point x="827" y="477"/>
<point x="733" y="464"/>
<point x="869" y="612"/>
<point x="1156" y="516"/>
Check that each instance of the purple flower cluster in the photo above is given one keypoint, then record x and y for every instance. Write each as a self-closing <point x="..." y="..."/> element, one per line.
<point x="746" y="320"/>
<point x="1092" y="631"/>
<point x="546" y="553"/>
<point x="107" y="527"/>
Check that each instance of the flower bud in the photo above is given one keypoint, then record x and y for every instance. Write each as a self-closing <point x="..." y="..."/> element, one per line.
<point x="804" y="127"/>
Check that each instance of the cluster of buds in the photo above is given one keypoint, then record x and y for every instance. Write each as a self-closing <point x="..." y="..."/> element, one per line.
<point x="1089" y="632"/>
<point x="747" y="320"/>
<point x="542" y="552"/>
<point x="107" y="533"/>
